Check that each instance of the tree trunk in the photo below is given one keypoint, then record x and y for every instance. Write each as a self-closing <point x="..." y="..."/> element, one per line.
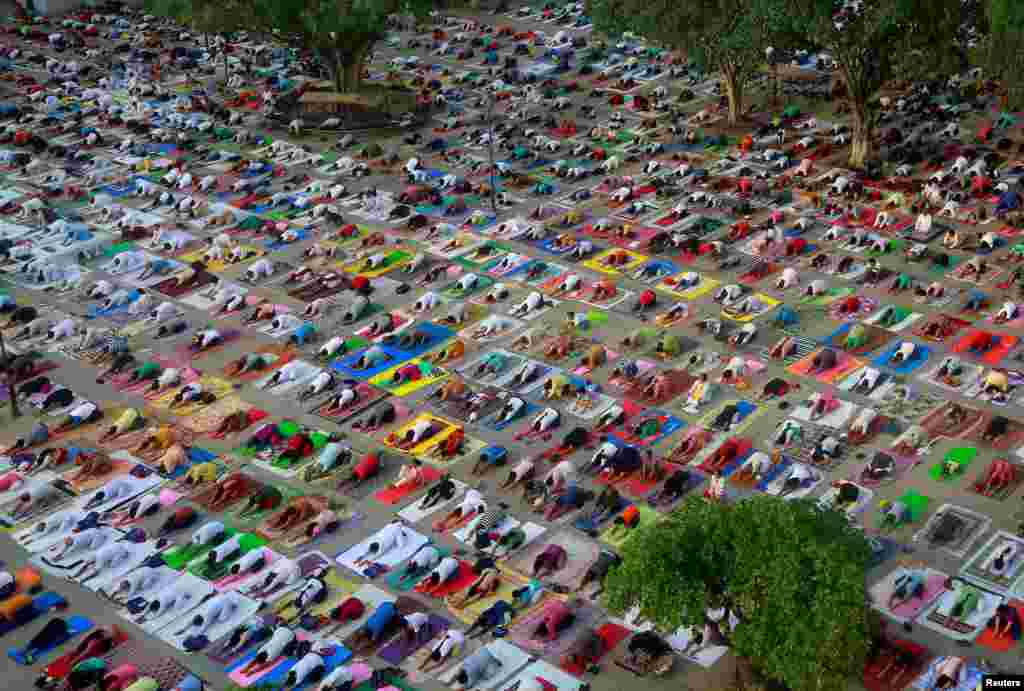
<point x="227" y="74"/>
<point x="353" y="76"/>
<point x="860" y="141"/>
<point x="339" y="74"/>
<point x="734" y="92"/>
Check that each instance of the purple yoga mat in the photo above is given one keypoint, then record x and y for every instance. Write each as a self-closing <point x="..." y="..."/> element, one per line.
<point x="398" y="649"/>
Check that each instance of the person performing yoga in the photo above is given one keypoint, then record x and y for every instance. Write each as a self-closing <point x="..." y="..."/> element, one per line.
<point x="950" y="672"/>
<point x="907" y="586"/>
<point x="340" y="679"/>
<point x="391" y="537"/>
<point x="251" y="362"/>
<point x="487" y="583"/>
<point x="558" y="618"/>
<point x="168" y="378"/>
<point x="571" y="498"/>
<point x="344" y="399"/>
<point x="84" y="413"/>
<point x="192" y="393"/>
<point x="365" y="470"/>
<point x="313" y="592"/>
<point x="673" y="489"/>
<point x="409" y="477"/>
<point x="283" y="643"/>
<point x="332" y="456"/>
<point x="442" y="491"/>
<point x="130" y="420"/>
<point x="420" y="564"/>
<point x="522" y="472"/>
<point x="100" y="560"/>
<point x="446" y="570"/>
<point x="373" y="631"/>
<point x="221" y="609"/>
<point x="1005" y="623"/>
<point x="251" y="631"/>
<point x="206" y="340"/>
<point x="497" y="615"/>
<point x="323" y="381"/>
<point x="416" y="628"/>
<point x="298" y="446"/>
<point x="96" y="644"/>
<point x="372" y="357"/>
<point x="471" y="506"/>
<point x="419" y="432"/>
<point x="449" y="647"/>
<point x="39" y="434"/>
<point x="311" y="667"/>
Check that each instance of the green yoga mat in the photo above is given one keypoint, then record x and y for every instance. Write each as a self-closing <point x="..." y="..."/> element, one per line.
<point x="963" y="456"/>
<point x="179" y="557"/>
<point x="917" y="505"/>
<point x="247" y="543"/>
<point x="118" y="249"/>
<point x="394" y="578"/>
<point x="319" y="440"/>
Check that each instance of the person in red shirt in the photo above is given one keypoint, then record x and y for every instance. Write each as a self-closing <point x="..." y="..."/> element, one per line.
<point x="645" y="301"/>
<point x="407" y="373"/>
<point x="299" y="446"/>
<point x="364" y="470"/>
<point x="557" y="619"/>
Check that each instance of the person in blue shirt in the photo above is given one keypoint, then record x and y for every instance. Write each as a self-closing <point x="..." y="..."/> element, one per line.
<point x="377" y="626"/>
<point x="497" y="615"/>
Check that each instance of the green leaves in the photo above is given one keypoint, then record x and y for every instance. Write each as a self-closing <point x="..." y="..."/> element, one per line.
<point x="793" y="574"/>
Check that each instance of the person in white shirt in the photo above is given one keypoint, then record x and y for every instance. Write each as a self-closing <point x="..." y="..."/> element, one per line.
<point x="444" y="650"/>
<point x="341" y="679"/>
<point x="472" y="505"/>
<point x="416" y="628"/>
<point x="206" y="339"/>
<point x="83" y="413"/>
<point x="391" y="536"/>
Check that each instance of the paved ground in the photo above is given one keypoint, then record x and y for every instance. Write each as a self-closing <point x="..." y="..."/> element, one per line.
<point x="608" y="325"/>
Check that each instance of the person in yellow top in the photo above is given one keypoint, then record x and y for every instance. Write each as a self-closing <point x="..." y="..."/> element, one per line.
<point x="202" y="473"/>
<point x="161" y="438"/>
<point x="172" y="459"/>
<point x="996" y="382"/>
<point x="128" y="421"/>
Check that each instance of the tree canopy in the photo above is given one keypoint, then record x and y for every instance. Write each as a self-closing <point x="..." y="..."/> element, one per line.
<point x="729" y="36"/>
<point x="1003" y="48"/>
<point x="793" y="574"/>
<point x="885" y="40"/>
<point x="341" y="32"/>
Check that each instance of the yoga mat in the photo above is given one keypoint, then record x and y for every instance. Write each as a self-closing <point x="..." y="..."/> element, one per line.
<point x="41" y="605"/>
<point x="935" y="585"/>
<point x="461" y="580"/>
<point x="393" y="495"/>
<point x="612" y="634"/>
<point x="522" y="631"/>
<point x="245" y="608"/>
<point x="512" y="659"/>
<point x="76" y="626"/>
<point x="581" y="552"/>
<point x="399" y="649"/>
<point x="988" y="637"/>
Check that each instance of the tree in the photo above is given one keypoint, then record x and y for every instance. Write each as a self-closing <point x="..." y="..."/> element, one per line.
<point x="1003" y="47"/>
<point x="792" y="573"/>
<point x="341" y="32"/>
<point x="206" y="16"/>
<point x="729" y="36"/>
<point x="887" y="39"/>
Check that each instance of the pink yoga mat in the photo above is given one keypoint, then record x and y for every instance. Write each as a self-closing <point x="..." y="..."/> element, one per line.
<point x="935" y="586"/>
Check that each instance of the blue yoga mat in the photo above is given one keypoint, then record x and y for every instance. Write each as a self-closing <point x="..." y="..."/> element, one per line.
<point x="921" y="354"/>
<point x="40" y="606"/>
<point x="76" y="626"/>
